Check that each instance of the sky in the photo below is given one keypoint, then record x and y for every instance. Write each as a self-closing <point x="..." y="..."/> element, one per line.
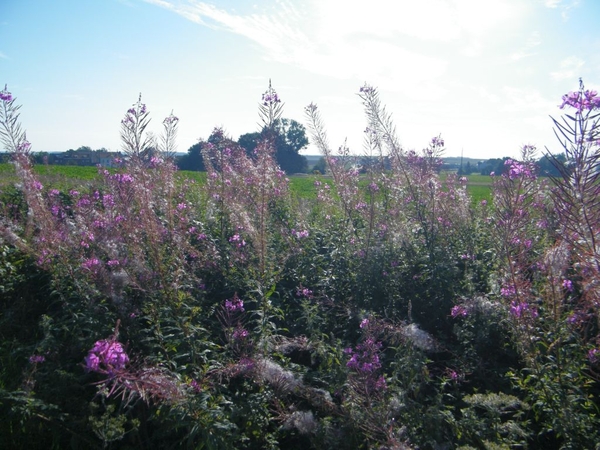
<point x="485" y="75"/>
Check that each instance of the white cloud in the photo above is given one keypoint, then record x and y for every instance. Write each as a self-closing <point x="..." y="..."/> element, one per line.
<point x="552" y="3"/>
<point x="564" y="6"/>
<point x="517" y="100"/>
<point x="569" y="68"/>
<point x="401" y="45"/>
<point x="532" y="42"/>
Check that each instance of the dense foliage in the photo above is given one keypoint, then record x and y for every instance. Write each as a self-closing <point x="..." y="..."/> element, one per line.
<point x="389" y="312"/>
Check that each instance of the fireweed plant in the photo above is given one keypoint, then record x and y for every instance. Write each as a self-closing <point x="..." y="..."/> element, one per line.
<point x="390" y="312"/>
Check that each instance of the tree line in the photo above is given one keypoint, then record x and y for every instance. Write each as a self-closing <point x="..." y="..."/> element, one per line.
<point x="289" y="138"/>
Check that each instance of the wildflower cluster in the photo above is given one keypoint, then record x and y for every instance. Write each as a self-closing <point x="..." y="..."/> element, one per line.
<point x="475" y="323"/>
<point x="106" y="356"/>
<point x="365" y="364"/>
<point x="235" y="304"/>
<point x="581" y="100"/>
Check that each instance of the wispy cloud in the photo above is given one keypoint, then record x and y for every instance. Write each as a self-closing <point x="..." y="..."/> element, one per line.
<point x="401" y="44"/>
<point x="552" y="3"/>
<point x="3" y="56"/>
<point x="568" y="68"/>
<point x="565" y="6"/>
<point x="525" y="100"/>
<point x="532" y="42"/>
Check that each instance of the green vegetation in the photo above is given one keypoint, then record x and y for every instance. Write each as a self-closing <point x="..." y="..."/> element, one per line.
<point x="68" y="177"/>
<point x="232" y="309"/>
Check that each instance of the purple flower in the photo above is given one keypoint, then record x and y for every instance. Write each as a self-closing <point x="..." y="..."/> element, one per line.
<point x="373" y="187"/>
<point x="594" y="355"/>
<point x="24" y="146"/>
<point x="235" y="304"/>
<point x="238" y="240"/>
<point x="508" y="291"/>
<point x="5" y="96"/>
<point x="364" y="362"/>
<point x="586" y="100"/>
<point x="92" y="362"/>
<point x="300" y="234"/>
<point x="459" y="311"/>
<point x="304" y="292"/>
<point x="437" y="142"/>
<point x="380" y="384"/>
<point x="195" y="386"/>
<point x="364" y="323"/>
<point x="34" y="359"/>
<point x="522" y="309"/>
<point x="366" y="89"/>
<point x="568" y="285"/>
<point x="171" y="119"/>
<point x="270" y="98"/>
<point x="576" y="318"/>
<point x="240" y="333"/>
<point x="91" y="263"/>
<point x="108" y="200"/>
<point x="106" y="356"/>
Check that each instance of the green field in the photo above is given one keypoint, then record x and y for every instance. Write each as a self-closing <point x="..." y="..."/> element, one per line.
<point x="63" y="177"/>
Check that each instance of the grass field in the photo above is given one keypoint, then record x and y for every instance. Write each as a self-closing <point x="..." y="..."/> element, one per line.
<point x="63" y="177"/>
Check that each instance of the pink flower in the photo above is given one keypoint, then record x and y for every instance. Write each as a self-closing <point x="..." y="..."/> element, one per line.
<point x="300" y="234"/>
<point x="522" y="309"/>
<point x="91" y="263"/>
<point x="459" y="310"/>
<point x="304" y="292"/>
<point x="235" y="304"/>
<point x="106" y="356"/>
<point x="92" y="362"/>
<point x="240" y="334"/>
<point x="508" y="291"/>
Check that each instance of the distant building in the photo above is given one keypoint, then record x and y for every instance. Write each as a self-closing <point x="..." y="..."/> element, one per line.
<point x="85" y="157"/>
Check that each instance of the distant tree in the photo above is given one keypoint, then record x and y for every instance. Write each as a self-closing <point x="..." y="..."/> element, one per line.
<point x="495" y="165"/>
<point x="548" y="164"/>
<point x="40" y="157"/>
<point x="289" y="137"/>
<point x="320" y="166"/>
<point x="467" y="169"/>
<point x="249" y="141"/>
<point x="193" y="159"/>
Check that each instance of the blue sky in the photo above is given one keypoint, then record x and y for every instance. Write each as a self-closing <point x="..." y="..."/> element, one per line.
<point x="485" y="75"/>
